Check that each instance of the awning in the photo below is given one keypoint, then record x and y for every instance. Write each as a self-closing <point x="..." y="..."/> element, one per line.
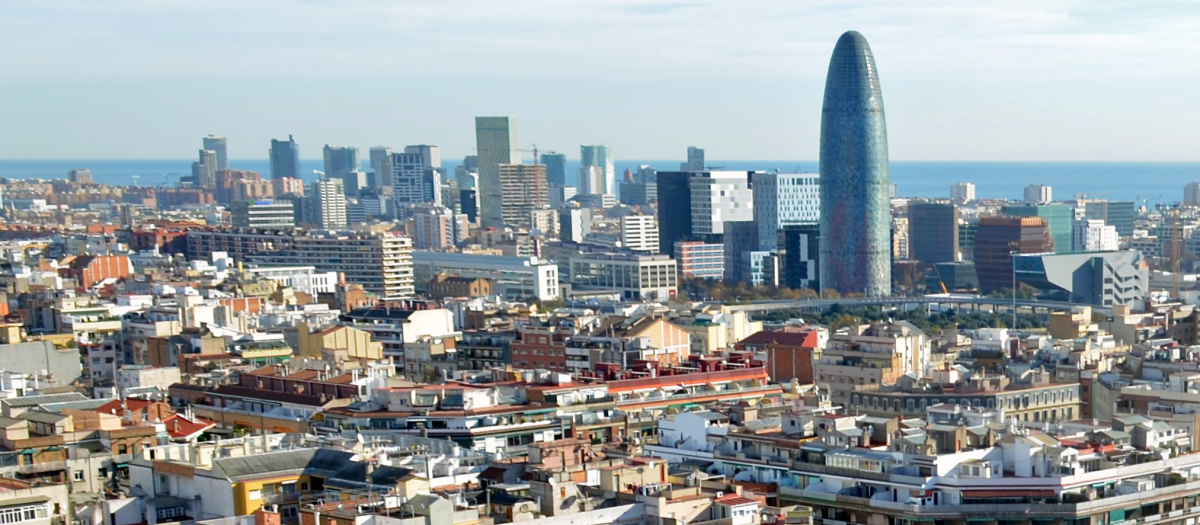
<point x="53" y="448"/>
<point x="17" y="502"/>
<point x="1016" y="493"/>
<point x="27" y="451"/>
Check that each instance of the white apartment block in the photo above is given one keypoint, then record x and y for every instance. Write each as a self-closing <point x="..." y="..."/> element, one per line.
<point x="640" y="233"/>
<point x="512" y="277"/>
<point x="328" y="204"/>
<point x="636" y="277"/>
<point x="1038" y="194"/>
<point x="784" y="200"/>
<point x="304" y="279"/>
<point x="1191" y="194"/>
<point x="591" y="181"/>
<point x="1093" y="235"/>
<point x="962" y="192"/>
<point x="719" y="197"/>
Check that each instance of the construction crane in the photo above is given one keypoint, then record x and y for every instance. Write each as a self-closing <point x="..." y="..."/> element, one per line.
<point x="536" y="159"/>
<point x="167" y="179"/>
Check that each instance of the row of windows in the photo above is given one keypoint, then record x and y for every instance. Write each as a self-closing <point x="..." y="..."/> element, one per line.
<point x="1007" y="403"/>
<point x="23" y="514"/>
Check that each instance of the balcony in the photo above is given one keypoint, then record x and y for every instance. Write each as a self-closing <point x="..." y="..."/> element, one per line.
<point x="42" y="467"/>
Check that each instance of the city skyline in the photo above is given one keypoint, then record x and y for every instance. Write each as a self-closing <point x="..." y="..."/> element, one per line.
<point x="996" y="81"/>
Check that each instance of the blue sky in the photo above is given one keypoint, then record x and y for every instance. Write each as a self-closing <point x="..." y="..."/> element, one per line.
<point x="1008" y="80"/>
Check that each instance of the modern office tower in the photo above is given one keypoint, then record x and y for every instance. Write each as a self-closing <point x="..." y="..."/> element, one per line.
<point x="556" y="168"/>
<point x="559" y="195"/>
<point x="204" y="172"/>
<point x="1038" y="194"/>
<point x="217" y="144"/>
<point x="468" y="204"/>
<point x="438" y="228"/>
<point x="377" y="179"/>
<point x="327" y="205"/>
<point x="412" y="181"/>
<point x="342" y="163"/>
<point x="646" y="174"/>
<point x="381" y="263"/>
<point x="700" y="260"/>
<point x="933" y="232"/>
<point x="355" y="212"/>
<point x="263" y="214"/>
<point x="590" y="181"/>
<point x="695" y="160"/>
<point x="431" y="154"/>
<point x="998" y="238"/>
<point x="893" y="191"/>
<point x="638" y="193"/>
<point x="496" y="144"/>
<point x="781" y="199"/>
<point x="285" y="159"/>
<point x="700" y="204"/>
<point x="1092" y="235"/>
<point x="374" y="203"/>
<point x="962" y="192"/>
<point x="855" y="208"/>
<point x="741" y="242"/>
<point x="1191" y="194"/>
<point x="574" y="224"/>
<point x="1118" y="214"/>
<point x="801" y="256"/>
<point x="640" y="233"/>
<point x="523" y="189"/>
<point x="1060" y="218"/>
<point x="601" y="157"/>
<point x="80" y="176"/>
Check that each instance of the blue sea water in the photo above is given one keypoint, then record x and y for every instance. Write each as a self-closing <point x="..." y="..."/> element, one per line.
<point x="1145" y="182"/>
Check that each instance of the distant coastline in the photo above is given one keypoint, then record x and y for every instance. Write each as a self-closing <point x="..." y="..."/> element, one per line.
<point x="1146" y="182"/>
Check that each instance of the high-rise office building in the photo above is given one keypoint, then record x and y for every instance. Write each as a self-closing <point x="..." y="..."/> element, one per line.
<point x="217" y="144"/>
<point x="801" y="258"/>
<point x="327" y="205"/>
<point x="523" y="189"/>
<point x="600" y="156"/>
<point x="431" y="154"/>
<point x="204" y="172"/>
<point x="782" y="199"/>
<point x="559" y="195"/>
<point x="998" y="239"/>
<point x="933" y="232"/>
<point x="640" y="233"/>
<point x="412" y="179"/>
<point x="1191" y="194"/>
<point x="695" y="160"/>
<point x="855" y="208"/>
<point x="1038" y="194"/>
<point x="1060" y="218"/>
<point x="590" y="181"/>
<point x="285" y="158"/>
<point x="1118" y="214"/>
<point x="962" y="192"/>
<point x="496" y="144"/>
<point x="556" y="168"/>
<point x="741" y="243"/>
<point x="700" y="204"/>
<point x="377" y="178"/>
<point x="342" y="163"/>
<point x="80" y="176"/>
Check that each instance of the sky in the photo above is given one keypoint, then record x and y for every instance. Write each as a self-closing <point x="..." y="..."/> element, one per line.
<point x="1012" y="80"/>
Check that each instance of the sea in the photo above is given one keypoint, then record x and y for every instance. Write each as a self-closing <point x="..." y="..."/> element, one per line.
<point x="1147" y="183"/>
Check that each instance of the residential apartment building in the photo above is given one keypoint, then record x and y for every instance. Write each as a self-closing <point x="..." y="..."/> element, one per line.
<point x="636" y="277"/>
<point x="639" y="233"/>
<point x="263" y="214"/>
<point x="381" y="263"/>
<point x="702" y="260"/>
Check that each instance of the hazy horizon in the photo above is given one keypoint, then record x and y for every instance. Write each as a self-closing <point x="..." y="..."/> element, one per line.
<point x="1044" y="81"/>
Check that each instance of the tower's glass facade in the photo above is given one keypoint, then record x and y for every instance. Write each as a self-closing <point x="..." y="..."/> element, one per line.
<point x="855" y="255"/>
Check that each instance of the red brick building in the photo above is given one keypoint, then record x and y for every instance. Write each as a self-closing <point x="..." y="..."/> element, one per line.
<point x="789" y="352"/>
<point x="540" y="347"/>
<point x="91" y="269"/>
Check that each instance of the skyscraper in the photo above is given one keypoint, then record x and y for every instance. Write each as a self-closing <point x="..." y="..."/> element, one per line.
<point x="327" y="204"/>
<point x="933" y="232"/>
<point x="285" y="158"/>
<point x="204" y="172"/>
<point x="855" y="209"/>
<point x="496" y="144"/>
<point x="600" y="156"/>
<point x="342" y="163"/>
<point x="701" y="203"/>
<point x="217" y="144"/>
<point x="591" y="181"/>
<point x="378" y="179"/>
<point x="523" y="190"/>
<point x="412" y="181"/>
<point x="695" y="160"/>
<point x="556" y="168"/>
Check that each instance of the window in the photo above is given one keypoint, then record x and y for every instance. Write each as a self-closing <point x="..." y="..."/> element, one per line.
<point x="79" y="475"/>
<point x="23" y="514"/>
